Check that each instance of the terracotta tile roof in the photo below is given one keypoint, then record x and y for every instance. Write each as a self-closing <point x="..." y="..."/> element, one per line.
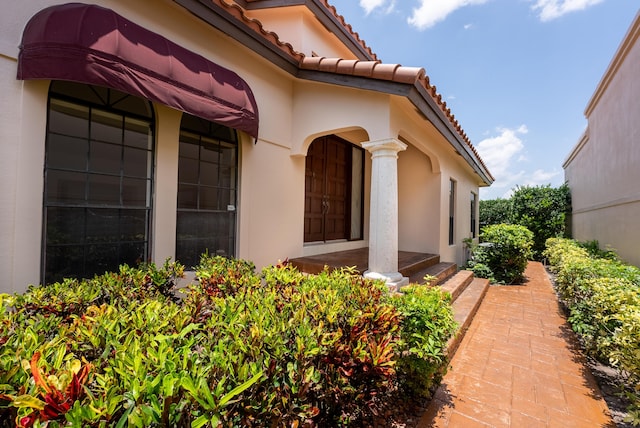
<point x="257" y="26"/>
<point x="370" y="69"/>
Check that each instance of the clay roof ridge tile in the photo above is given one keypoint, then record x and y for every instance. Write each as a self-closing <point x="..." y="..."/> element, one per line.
<point x="328" y="64"/>
<point x="365" y="68"/>
<point x="384" y="71"/>
<point x="346" y="66"/>
<point x="348" y="27"/>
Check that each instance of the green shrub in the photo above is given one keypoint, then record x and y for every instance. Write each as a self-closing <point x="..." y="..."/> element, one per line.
<point x="504" y="255"/>
<point x="542" y="210"/>
<point x="278" y="348"/>
<point x="494" y="211"/>
<point x="603" y="299"/>
<point x="427" y="324"/>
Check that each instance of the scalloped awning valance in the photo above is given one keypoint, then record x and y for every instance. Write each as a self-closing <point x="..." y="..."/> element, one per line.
<point x="94" y="45"/>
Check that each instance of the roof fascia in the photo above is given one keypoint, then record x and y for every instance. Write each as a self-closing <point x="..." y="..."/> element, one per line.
<point x="418" y="96"/>
<point x="222" y="20"/>
<point x="326" y="18"/>
<point x="625" y="47"/>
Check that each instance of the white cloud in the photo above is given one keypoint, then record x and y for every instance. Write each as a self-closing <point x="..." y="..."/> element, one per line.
<point x="504" y="155"/>
<point x="431" y="12"/>
<point x="370" y="5"/>
<point x="552" y="9"/>
<point x="498" y="152"/>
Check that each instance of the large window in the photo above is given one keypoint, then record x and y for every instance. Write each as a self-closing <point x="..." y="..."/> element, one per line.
<point x="452" y="211"/>
<point x="207" y="190"/>
<point x="98" y="181"/>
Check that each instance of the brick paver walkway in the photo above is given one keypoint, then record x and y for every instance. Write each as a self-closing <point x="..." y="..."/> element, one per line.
<point x="519" y="366"/>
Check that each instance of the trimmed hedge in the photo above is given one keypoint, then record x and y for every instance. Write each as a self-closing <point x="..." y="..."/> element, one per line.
<point x="603" y="299"/>
<point x="278" y="348"/>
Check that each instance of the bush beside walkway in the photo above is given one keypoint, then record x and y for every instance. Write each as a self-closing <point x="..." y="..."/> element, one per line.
<point x="602" y="295"/>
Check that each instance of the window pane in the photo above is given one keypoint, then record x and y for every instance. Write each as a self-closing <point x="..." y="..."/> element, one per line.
<point x="68" y="119"/>
<point x="106" y="127"/>
<point x="67" y="152"/>
<point x="63" y="262"/>
<point x="133" y="253"/>
<point x="208" y="174"/>
<point x="188" y="170"/>
<point x="101" y="258"/>
<point x="133" y="225"/>
<point x="209" y="198"/>
<point x="102" y="225"/>
<point x="187" y="196"/>
<point x="227" y="177"/>
<point x="137" y="134"/>
<point x="104" y="189"/>
<point x="136" y="162"/>
<point x="105" y="157"/>
<point x="65" y="225"/>
<point x="135" y="192"/>
<point x="210" y="151"/>
<point x="189" y="146"/>
<point x="228" y="154"/>
<point x="66" y="187"/>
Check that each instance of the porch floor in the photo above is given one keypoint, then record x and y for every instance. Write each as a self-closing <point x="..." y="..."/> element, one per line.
<point x="359" y="258"/>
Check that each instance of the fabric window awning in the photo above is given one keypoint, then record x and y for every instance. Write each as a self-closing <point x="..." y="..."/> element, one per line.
<point x="94" y="45"/>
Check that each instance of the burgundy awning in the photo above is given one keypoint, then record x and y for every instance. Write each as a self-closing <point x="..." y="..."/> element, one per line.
<point x="91" y="44"/>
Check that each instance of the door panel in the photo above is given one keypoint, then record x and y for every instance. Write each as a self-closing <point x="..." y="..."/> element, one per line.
<point x="327" y="180"/>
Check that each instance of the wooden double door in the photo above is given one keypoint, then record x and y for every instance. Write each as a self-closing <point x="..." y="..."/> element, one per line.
<point x="328" y="178"/>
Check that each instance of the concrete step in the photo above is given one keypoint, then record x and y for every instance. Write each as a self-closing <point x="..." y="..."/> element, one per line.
<point x="465" y="307"/>
<point x="457" y="283"/>
<point x="422" y="261"/>
<point x="442" y="271"/>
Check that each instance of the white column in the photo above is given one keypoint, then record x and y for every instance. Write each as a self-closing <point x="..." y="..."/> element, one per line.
<point x="383" y="216"/>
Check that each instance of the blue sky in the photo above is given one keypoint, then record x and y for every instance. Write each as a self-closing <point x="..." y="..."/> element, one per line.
<point x="517" y="74"/>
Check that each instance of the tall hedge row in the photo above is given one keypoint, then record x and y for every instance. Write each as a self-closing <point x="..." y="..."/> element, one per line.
<point x="602" y="295"/>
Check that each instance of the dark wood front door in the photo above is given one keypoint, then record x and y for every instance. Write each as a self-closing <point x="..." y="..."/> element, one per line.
<point x="327" y="190"/>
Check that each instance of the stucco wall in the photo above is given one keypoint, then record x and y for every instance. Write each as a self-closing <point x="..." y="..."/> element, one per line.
<point x="602" y="171"/>
<point x="419" y="210"/>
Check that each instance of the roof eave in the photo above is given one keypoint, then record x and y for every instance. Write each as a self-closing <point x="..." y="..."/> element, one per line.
<point x="425" y="103"/>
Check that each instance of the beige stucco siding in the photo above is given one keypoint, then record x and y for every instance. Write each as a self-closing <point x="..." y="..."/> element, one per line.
<point x="602" y="170"/>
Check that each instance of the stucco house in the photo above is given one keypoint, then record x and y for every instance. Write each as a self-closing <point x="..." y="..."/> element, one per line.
<point x="260" y="129"/>
<point x="602" y="170"/>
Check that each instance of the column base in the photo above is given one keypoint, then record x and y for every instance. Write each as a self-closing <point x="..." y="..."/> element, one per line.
<point x="393" y="280"/>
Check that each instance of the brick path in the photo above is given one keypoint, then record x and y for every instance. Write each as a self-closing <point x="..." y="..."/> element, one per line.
<point x="519" y="366"/>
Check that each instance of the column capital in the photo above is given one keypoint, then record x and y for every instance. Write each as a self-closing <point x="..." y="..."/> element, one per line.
<point x="390" y="144"/>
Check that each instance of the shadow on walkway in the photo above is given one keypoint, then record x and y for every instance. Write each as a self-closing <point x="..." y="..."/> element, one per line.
<point x="519" y="365"/>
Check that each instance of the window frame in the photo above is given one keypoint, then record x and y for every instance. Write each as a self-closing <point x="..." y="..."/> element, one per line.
<point x="208" y="135"/>
<point x="452" y="211"/>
